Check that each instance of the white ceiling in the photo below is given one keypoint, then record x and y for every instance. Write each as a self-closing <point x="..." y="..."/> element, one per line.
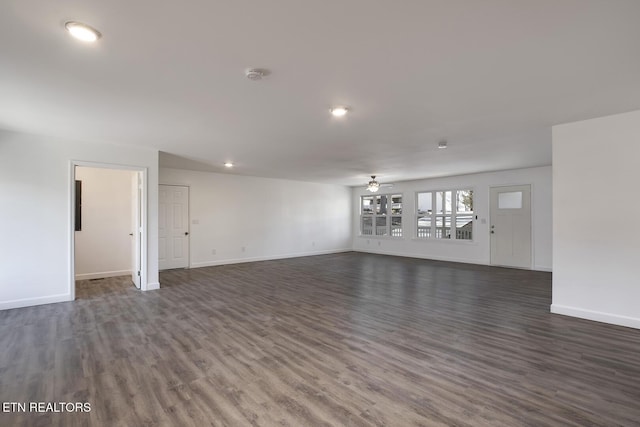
<point x="488" y="76"/>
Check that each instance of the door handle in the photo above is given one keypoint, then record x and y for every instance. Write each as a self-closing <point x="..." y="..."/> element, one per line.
<point x="130" y="234"/>
<point x="186" y="233"/>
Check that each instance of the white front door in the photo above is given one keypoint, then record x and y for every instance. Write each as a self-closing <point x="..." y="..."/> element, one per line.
<point x="136" y="228"/>
<point x="510" y="226"/>
<point x="173" y="223"/>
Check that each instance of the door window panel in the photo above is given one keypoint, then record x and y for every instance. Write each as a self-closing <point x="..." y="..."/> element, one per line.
<point x="510" y="200"/>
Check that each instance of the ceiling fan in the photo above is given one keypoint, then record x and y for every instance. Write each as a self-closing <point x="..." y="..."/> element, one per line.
<point x="373" y="185"/>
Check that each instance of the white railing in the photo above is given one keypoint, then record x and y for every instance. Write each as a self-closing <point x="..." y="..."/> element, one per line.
<point x="423" y="232"/>
<point x="382" y="231"/>
<point x="444" y="233"/>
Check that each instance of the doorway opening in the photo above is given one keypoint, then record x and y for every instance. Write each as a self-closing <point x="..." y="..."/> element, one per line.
<point x="109" y="229"/>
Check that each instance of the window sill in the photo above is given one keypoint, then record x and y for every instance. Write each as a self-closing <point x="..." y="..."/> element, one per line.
<point x="364" y="236"/>
<point x="450" y="241"/>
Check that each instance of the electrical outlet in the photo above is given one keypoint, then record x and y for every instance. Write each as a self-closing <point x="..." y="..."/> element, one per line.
<point x="313" y="243"/>
<point x="243" y="249"/>
<point x="379" y="243"/>
<point x="213" y="251"/>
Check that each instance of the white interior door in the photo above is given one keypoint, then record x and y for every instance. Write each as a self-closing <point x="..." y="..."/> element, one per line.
<point x="136" y="228"/>
<point x="510" y="226"/>
<point x="173" y="223"/>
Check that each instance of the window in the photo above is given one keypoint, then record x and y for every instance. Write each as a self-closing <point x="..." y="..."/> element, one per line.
<point x="511" y="200"/>
<point x="445" y="215"/>
<point x="381" y="215"/>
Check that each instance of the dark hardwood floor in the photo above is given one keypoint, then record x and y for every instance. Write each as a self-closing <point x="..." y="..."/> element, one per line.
<point x="343" y="340"/>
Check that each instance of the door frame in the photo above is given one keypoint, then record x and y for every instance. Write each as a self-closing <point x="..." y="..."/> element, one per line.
<point x="188" y="187"/>
<point x="532" y="217"/>
<point x="136" y="272"/>
<point x="144" y="205"/>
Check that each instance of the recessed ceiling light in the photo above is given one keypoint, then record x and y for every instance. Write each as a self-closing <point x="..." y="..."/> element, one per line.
<point x="442" y="145"/>
<point x="256" y="73"/>
<point x="339" y="111"/>
<point x="82" y="31"/>
<point x="228" y="165"/>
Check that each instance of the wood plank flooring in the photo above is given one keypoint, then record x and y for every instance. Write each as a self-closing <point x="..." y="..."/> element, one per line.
<point x="337" y="340"/>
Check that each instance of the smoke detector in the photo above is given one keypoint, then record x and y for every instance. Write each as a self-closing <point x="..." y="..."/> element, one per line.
<point x="256" y="73"/>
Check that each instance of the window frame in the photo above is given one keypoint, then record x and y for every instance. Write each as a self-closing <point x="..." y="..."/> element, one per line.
<point x="389" y="216"/>
<point x="434" y="216"/>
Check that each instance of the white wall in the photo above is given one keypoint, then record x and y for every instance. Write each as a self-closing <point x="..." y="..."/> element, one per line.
<point x="596" y="201"/>
<point x="270" y="218"/>
<point x="103" y="246"/>
<point x="478" y="251"/>
<point x="35" y="227"/>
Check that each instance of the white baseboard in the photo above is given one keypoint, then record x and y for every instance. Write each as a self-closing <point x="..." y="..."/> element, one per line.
<point x="264" y="258"/>
<point x="27" y="302"/>
<point x="103" y="274"/>
<point x="440" y="258"/>
<point x="598" y="316"/>
<point x="419" y="256"/>
<point x="152" y="286"/>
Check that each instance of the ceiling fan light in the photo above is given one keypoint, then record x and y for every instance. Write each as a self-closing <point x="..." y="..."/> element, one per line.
<point x="373" y="185"/>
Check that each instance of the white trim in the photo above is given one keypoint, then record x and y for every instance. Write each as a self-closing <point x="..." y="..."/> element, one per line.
<point x="389" y="217"/>
<point x="420" y="256"/>
<point x="434" y="215"/>
<point x="447" y="259"/>
<point x="265" y="258"/>
<point x="373" y="236"/>
<point x="144" y="174"/>
<point x="152" y="286"/>
<point x="543" y="268"/>
<point x="598" y="316"/>
<point x="144" y="244"/>
<point x="102" y="274"/>
<point x="452" y="241"/>
<point x="71" y="250"/>
<point x="28" y="302"/>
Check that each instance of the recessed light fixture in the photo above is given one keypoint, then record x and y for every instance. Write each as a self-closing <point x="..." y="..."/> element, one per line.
<point x="256" y="73"/>
<point x="339" y="111"/>
<point x="228" y="164"/>
<point x="82" y="31"/>
<point x="442" y="145"/>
